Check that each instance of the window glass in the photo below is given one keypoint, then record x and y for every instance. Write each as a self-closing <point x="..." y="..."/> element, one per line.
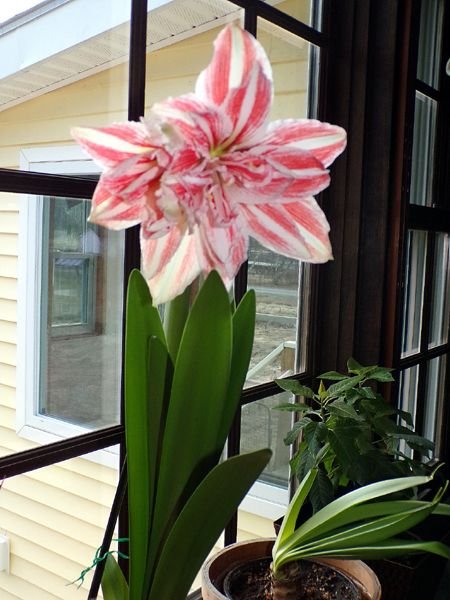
<point x="435" y="394"/>
<point x="306" y="11"/>
<point x="440" y="301"/>
<point x="264" y="427"/>
<point x="81" y="311"/>
<point x="275" y="278"/>
<point x="423" y="151"/>
<point x="430" y="41"/>
<point x="62" y="67"/>
<point x="414" y="291"/>
<point x="408" y="390"/>
<point x="53" y="519"/>
<point x="180" y="42"/>
<point x="60" y="321"/>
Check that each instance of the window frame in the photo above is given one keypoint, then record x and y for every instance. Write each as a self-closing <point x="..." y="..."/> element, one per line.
<point x="30" y="425"/>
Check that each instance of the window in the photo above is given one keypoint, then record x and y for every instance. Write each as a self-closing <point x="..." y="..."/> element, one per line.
<point x="72" y="271"/>
<point x="423" y="356"/>
<point x="384" y="299"/>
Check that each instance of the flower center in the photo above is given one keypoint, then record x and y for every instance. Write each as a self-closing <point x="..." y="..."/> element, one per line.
<point x="216" y="152"/>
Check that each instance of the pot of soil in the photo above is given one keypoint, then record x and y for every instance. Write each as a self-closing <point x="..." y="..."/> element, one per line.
<point x="242" y="572"/>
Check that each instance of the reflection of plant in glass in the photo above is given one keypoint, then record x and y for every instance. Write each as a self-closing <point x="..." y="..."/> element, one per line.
<point x="201" y="175"/>
<point x="350" y="433"/>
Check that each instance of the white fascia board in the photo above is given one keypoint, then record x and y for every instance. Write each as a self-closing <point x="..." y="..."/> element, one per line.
<point x="68" y="24"/>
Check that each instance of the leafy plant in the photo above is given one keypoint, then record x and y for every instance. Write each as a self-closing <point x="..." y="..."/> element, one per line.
<point x="179" y="405"/>
<point x="349" y="433"/>
<point x="361" y="524"/>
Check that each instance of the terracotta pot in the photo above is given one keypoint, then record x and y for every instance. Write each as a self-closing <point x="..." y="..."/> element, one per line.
<point x="217" y="567"/>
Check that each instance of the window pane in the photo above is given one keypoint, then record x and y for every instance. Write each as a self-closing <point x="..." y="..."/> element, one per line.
<point x="54" y="519"/>
<point x="60" y="325"/>
<point x="409" y="379"/>
<point x="440" y="302"/>
<point x="435" y="399"/>
<point x="306" y="11"/>
<point x="81" y="312"/>
<point x="180" y="39"/>
<point x="414" y="290"/>
<point x="275" y="278"/>
<point x="263" y="427"/>
<point x="423" y="151"/>
<point x="66" y="66"/>
<point x="430" y="41"/>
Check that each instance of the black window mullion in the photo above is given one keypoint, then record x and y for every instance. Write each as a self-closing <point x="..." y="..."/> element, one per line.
<point x="240" y="287"/>
<point x="132" y="255"/>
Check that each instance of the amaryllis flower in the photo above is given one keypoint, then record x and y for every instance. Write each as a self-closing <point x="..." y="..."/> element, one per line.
<point x="207" y="170"/>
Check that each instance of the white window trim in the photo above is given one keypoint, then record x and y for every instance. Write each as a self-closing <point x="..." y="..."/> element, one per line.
<point x="29" y="424"/>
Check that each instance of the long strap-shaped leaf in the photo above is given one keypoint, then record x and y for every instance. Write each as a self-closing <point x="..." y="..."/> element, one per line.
<point x="367" y="533"/>
<point x="114" y="585"/>
<point x="199" y="391"/>
<point x="201" y="521"/>
<point x="389" y="548"/>
<point x="243" y="323"/>
<point x="142" y="418"/>
<point x="325" y="519"/>
<point x="288" y="525"/>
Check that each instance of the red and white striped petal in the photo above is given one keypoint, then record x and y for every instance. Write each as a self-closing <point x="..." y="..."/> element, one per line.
<point x="174" y="276"/>
<point x="195" y="123"/>
<point x="323" y="140"/>
<point x="110" y="145"/>
<point x="156" y="252"/>
<point x="298" y="229"/>
<point x="235" y="54"/>
<point x="248" y="107"/>
<point x="279" y="175"/>
<point x="223" y="249"/>
<point x="111" y="211"/>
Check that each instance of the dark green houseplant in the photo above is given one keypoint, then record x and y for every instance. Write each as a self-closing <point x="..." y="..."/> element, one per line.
<point x="350" y="433"/>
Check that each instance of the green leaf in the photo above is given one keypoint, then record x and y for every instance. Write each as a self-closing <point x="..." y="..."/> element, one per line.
<point x="322" y="492"/>
<point x="315" y="436"/>
<point x="332" y="376"/>
<point x="201" y="521"/>
<point x="175" y="316"/>
<point x="288" y="524"/>
<point x="114" y="585"/>
<point x="199" y="391"/>
<point x="143" y="415"/>
<point x="342" y="386"/>
<point x="382" y="374"/>
<point x="353" y="366"/>
<point x="294" y="407"/>
<point x="414" y="441"/>
<point x="298" y="426"/>
<point x="243" y="331"/>
<point x="387" y="549"/>
<point x="342" y="409"/>
<point x="331" y="515"/>
<point x="295" y="387"/>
